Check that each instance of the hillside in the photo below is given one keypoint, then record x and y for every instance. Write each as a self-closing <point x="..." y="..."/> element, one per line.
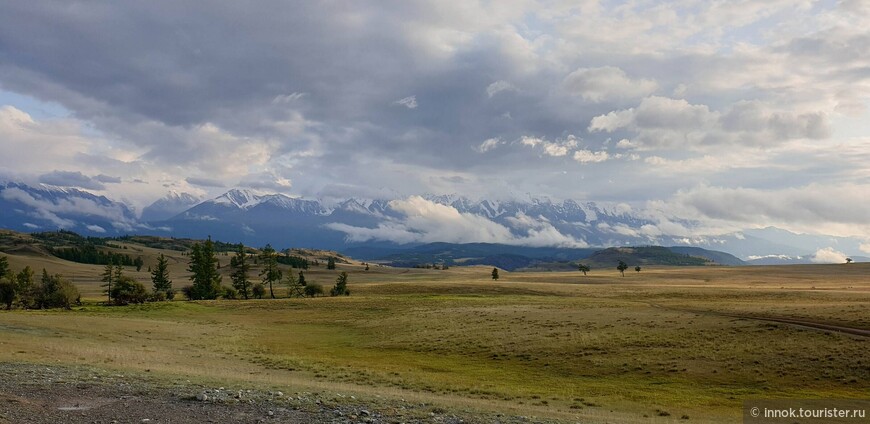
<point x="647" y="256"/>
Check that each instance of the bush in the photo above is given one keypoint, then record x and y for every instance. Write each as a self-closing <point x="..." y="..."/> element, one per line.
<point x="230" y="293"/>
<point x="157" y="296"/>
<point x="258" y="291"/>
<point x="187" y="291"/>
<point x="56" y="292"/>
<point x="340" y="288"/>
<point x="313" y="290"/>
<point x="7" y="293"/>
<point x="170" y="294"/>
<point x="127" y="290"/>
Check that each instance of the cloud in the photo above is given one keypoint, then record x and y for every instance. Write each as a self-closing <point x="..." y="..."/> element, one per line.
<point x="557" y="148"/>
<point x="498" y="87"/>
<point x="103" y="178"/>
<point x="409" y="102"/>
<point x="828" y="256"/>
<point x="71" y="179"/>
<point x="421" y="220"/>
<point x="661" y="122"/>
<point x="51" y="209"/>
<point x="489" y="144"/>
<point x="606" y="83"/>
<point x="204" y="182"/>
<point x="587" y="156"/>
<point x="96" y="228"/>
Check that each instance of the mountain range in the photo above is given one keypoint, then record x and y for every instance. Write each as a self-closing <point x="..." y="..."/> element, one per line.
<point x="382" y="227"/>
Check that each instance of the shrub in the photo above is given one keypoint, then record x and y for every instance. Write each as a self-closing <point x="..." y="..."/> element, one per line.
<point x="230" y="293"/>
<point x="258" y="291"/>
<point x="127" y="290"/>
<point x="170" y="294"/>
<point x="187" y="291"/>
<point x="56" y="292"/>
<point x="313" y="290"/>
<point x="8" y="293"/>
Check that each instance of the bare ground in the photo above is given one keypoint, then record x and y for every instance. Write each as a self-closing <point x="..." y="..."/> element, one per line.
<point x="46" y="394"/>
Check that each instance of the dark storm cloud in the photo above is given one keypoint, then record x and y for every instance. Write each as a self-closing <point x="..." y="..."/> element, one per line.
<point x="71" y="179"/>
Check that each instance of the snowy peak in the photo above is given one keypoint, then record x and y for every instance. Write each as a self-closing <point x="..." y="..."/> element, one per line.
<point x="242" y="199"/>
<point x="168" y="206"/>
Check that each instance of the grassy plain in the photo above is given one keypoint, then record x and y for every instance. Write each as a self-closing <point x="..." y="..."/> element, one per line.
<point x="655" y="346"/>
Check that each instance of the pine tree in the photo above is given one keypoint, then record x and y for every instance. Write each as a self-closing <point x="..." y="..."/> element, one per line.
<point x="301" y="280"/>
<point x="108" y="277"/>
<point x="495" y="273"/>
<point x="4" y="267"/>
<point x="239" y="276"/>
<point x="330" y="263"/>
<point x="340" y="287"/>
<point x="270" y="272"/>
<point x="160" y="276"/>
<point x="294" y="289"/>
<point x="204" y="274"/>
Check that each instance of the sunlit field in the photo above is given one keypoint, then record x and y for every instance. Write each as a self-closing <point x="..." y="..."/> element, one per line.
<point x="662" y="345"/>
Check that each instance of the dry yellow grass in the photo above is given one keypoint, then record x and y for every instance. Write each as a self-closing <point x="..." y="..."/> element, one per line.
<point x="597" y="348"/>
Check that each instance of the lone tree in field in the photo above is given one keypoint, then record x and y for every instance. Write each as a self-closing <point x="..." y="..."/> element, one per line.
<point x="26" y="287"/>
<point x="160" y="276"/>
<point x="270" y="272"/>
<point x="340" y="287"/>
<point x="583" y="268"/>
<point x="204" y="274"/>
<point x="330" y="263"/>
<point x="301" y="280"/>
<point x="108" y="277"/>
<point x="495" y="274"/>
<point x="848" y="260"/>
<point x="622" y="267"/>
<point x="138" y="263"/>
<point x="637" y="269"/>
<point x="239" y="275"/>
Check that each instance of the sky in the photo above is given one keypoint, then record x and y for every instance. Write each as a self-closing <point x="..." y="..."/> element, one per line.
<point x="735" y="114"/>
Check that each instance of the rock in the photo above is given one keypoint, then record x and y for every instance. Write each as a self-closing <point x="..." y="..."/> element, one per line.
<point x="145" y="420"/>
<point x="364" y="412"/>
<point x="279" y="394"/>
<point x="202" y="397"/>
<point x="271" y="413"/>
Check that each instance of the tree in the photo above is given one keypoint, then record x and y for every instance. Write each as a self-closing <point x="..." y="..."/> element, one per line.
<point x="4" y="266"/>
<point x="26" y="290"/>
<point x="239" y="275"/>
<point x="160" y="276"/>
<point x="495" y="274"/>
<point x="270" y="272"/>
<point x="330" y="263"/>
<point x="583" y="268"/>
<point x="340" y="287"/>
<point x="637" y="269"/>
<point x="848" y="260"/>
<point x="301" y="280"/>
<point x="294" y="289"/>
<point x="622" y="267"/>
<point x="8" y="292"/>
<point x="108" y="277"/>
<point x="367" y="266"/>
<point x="138" y="263"/>
<point x="204" y="274"/>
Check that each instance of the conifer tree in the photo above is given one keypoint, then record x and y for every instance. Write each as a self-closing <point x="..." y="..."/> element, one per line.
<point x="239" y="276"/>
<point x="160" y="276"/>
<point x="270" y="272"/>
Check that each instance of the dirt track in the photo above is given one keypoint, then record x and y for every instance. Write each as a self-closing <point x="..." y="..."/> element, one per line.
<point x="783" y="320"/>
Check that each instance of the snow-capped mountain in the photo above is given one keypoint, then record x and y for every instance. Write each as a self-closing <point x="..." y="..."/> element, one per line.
<point x="170" y="205"/>
<point x="45" y="208"/>
<point x="257" y="218"/>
